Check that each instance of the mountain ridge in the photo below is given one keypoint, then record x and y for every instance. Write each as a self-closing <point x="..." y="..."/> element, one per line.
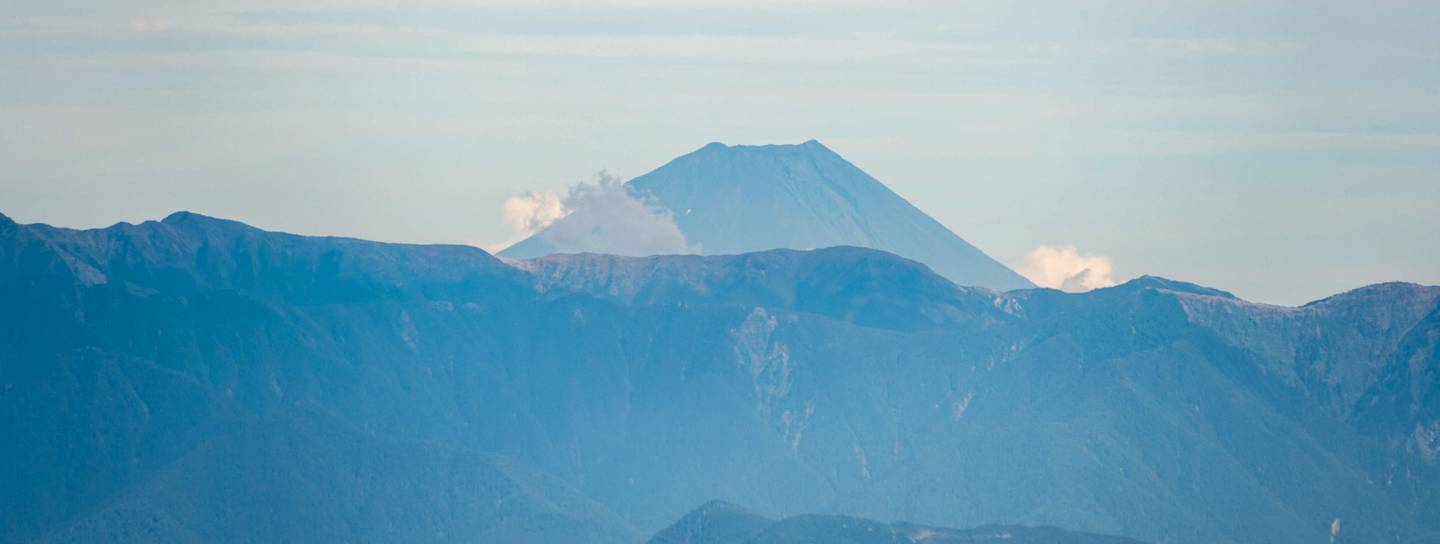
<point x="878" y="288"/>
<point x="1148" y="411"/>
<point x="720" y="522"/>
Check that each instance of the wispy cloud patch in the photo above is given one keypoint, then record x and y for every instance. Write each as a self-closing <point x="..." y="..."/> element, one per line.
<point x="1065" y="268"/>
<point x="532" y="211"/>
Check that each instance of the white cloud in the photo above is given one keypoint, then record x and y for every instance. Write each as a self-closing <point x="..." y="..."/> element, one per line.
<point x="531" y="212"/>
<point x="599" y="217"/>
<point x="527" y="214"/>
<point x="1065" y="268"/>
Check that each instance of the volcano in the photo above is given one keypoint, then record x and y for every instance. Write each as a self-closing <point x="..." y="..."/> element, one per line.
<point x="737" y="199"/>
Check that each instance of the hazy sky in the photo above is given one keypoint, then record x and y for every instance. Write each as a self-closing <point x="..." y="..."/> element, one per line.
<point x="1283" y="151"/>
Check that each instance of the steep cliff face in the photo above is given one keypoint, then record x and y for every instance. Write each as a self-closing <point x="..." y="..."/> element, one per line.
<point x="1403" y="410"/>
<point x="1334" y="348"/>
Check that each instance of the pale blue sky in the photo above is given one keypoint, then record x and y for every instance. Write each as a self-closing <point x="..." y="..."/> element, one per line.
<point x="1284" y="151"/>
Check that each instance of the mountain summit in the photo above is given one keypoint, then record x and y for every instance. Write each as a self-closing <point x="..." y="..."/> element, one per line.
<point x="737" y="199"/>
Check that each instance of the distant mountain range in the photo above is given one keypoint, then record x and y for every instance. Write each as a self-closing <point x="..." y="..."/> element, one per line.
<point x="719" y="522"/>
<point x="738" y="199"/>
<point x="199" y="380"/>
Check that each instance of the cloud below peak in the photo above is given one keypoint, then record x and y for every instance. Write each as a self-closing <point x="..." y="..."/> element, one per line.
<point x="531" y="211"/>
<point x="599" y="217"/>
<point x="1066" y="269"/>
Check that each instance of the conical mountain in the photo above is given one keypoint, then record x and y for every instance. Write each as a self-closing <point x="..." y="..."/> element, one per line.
<point x="737" y="199"/>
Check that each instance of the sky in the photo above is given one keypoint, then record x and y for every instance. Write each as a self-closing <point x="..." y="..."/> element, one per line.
<point x="1284" y="151"/>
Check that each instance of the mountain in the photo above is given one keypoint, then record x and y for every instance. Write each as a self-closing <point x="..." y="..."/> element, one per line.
<point x="718" y="522"/>
<point x="1402" y="409"/>
<point x="268" y="481"/>
<point x="852" y="284"/>
<point x="738" y="199"/>
<point x="715" y="522"/>
<point x="180" y="381"/>
<point x="197" y="379"/>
